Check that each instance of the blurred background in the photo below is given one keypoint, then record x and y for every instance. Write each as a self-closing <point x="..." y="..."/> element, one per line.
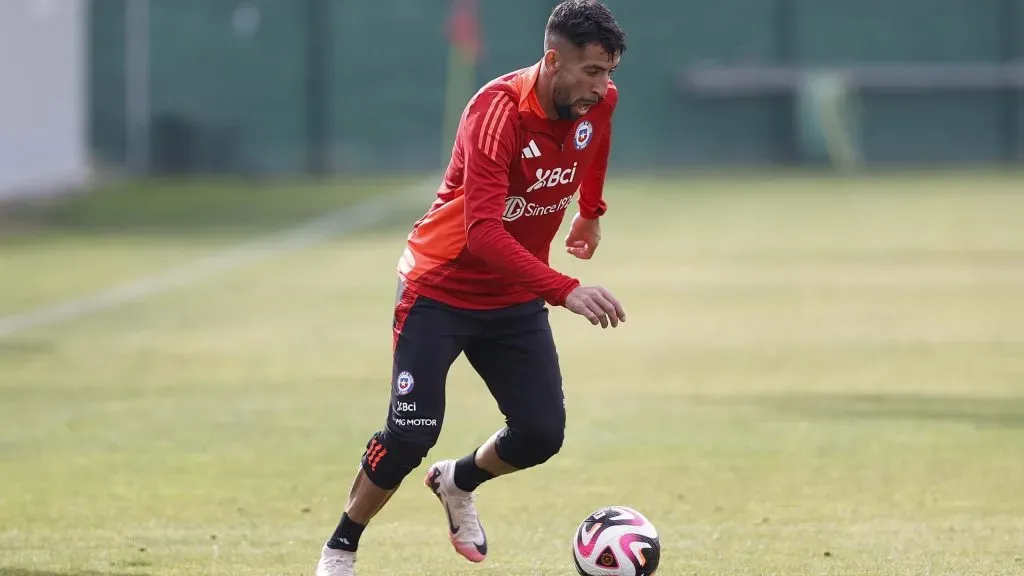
<point x="816" y="227"/>
<point x="261" y="87"/>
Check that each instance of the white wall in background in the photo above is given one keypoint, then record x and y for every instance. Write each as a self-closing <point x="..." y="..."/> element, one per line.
<point x="43" y="96"/>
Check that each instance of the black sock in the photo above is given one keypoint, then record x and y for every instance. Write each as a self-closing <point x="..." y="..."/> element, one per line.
<point x="346" y="535"/>
<point x="468" y="476"/>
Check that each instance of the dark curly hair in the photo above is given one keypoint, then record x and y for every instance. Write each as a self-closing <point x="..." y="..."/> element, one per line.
<point x="585" y="22"/>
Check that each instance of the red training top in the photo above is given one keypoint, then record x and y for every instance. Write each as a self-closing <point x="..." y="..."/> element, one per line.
<point x="485" y="240"/>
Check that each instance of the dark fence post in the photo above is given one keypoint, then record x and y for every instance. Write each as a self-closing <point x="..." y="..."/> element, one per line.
<point x="318" y="97"/>
<point x="787" y="53"/>
<point x="1009" y="29"/>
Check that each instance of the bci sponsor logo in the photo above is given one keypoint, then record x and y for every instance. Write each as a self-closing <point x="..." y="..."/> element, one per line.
<point x="553" y="177"/>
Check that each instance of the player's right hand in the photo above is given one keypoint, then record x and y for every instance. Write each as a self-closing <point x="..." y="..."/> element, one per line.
<point x="597" y="304"/>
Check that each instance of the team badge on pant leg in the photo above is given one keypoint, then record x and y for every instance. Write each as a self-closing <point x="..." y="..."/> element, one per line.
<point x="404" y="383"/>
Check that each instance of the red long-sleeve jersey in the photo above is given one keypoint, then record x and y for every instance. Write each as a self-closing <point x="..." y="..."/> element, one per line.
<point x="485" y="241"/>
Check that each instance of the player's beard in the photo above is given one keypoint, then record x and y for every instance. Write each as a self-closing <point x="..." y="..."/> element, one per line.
<point x="565" y="105"/>
<point x="563" y="102"/>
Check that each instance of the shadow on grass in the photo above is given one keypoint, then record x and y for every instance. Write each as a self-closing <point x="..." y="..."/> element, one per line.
<point x="24" y="348"/>
<point x="196" y="206"/>
<point x="25" y="572"/>
<point x="1007" y="412"/>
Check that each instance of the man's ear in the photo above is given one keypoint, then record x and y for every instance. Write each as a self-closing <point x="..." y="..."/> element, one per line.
<point x="552" y="61"/>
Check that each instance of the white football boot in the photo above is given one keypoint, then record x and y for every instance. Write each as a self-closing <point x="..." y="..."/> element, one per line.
<point x="464" y="528"/>
<point x="336" y="563"/>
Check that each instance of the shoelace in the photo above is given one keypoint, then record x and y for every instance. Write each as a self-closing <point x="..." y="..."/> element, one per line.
<point x="342" y="561"/>
<point x="461" y="508"/>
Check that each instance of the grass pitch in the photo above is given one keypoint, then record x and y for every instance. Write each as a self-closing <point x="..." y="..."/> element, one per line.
<point x="817" y="376"/>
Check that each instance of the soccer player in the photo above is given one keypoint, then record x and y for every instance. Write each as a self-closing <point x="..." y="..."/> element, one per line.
<point x="474" y="278"/>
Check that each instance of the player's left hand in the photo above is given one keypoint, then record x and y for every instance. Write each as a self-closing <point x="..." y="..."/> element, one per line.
<point x="584" y="236"/>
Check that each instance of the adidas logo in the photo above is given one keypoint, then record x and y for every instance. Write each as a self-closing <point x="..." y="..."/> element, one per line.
<point x="531" y="151"/>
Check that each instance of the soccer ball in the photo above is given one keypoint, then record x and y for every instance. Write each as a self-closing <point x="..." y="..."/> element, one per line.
<point x="616" y="541"/>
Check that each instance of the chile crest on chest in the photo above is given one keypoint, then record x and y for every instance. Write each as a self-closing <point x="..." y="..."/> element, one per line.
<point x="552" y="162"/>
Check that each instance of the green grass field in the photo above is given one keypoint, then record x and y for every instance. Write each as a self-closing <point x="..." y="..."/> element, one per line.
<point x="817" y="377"/>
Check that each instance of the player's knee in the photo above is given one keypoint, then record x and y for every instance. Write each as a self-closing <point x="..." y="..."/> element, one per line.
<point x="525" y="447"/>
<point x="391" y="456"/>
<point x="547" y="442"/>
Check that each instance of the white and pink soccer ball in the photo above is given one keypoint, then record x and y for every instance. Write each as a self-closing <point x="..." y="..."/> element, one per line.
<point x="616" y="541"/>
